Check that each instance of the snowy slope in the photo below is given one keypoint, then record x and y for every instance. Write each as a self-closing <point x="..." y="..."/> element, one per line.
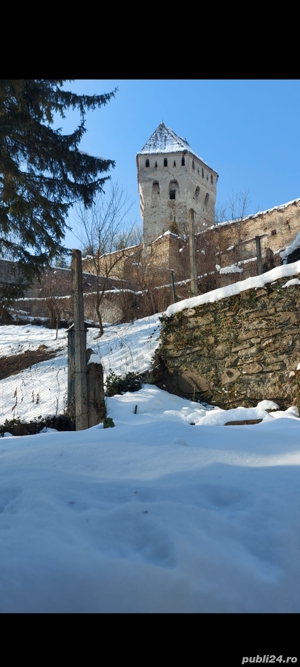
<point x="42" y="388"/>
<point x="170" y="511"/>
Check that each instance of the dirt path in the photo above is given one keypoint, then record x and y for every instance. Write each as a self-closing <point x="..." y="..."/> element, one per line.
<point x="18" y="362"/>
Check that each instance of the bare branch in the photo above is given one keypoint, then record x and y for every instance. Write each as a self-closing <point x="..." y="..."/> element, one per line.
<point x="104" y="232"/>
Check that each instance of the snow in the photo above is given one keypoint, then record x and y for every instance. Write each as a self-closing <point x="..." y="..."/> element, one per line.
<point x="42" y="388"/>
<point x="236" y="288"/>
<point x="232" y="268"/>
<point x="285" y="253"/>
<point x="250" y="259"/>
<point x="268" y="405"/>
<point x="167" y="512"/>
<point x="94" y="359"/>
<point x="294" y="281"/>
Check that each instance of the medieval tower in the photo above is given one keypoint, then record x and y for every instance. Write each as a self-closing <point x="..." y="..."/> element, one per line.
<point x="172" y="179"/>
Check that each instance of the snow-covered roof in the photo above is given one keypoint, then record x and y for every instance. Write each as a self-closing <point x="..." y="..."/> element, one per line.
<point x="165" y="140"/>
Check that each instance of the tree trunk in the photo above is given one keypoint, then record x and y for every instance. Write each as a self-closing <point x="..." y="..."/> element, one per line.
<point x="99" y="316"/>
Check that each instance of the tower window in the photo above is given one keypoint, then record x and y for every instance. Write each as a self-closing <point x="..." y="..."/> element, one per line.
<point x="173" y="190"/>
<point x="155" y="165"/>
<point x="155" y="188"/>
<point x="193" y="164"/>
<point x="211" y="179"/>
<point x="197" y="193"/>
<point x="206" y="200"/>
<point x="202" y="172"/>
<point x="165" y="162"/>
<point x="147" y="164"/>
<point x="183" y="161"/>
<point x="174" y="164"/>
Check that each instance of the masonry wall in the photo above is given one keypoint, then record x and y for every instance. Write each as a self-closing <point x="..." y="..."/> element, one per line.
<point x="147" y="267"/>
<point x="112" y="308"/>
<point x="236" y="351"/>
<point x="229" y="244"/>
<point x="279" y="227"/>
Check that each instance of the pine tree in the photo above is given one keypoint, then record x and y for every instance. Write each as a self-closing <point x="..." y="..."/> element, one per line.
<point x="42" y="170"/>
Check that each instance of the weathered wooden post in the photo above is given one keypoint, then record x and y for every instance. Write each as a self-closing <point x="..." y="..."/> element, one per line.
<point x="81" y="413"/>
<point x="193" y="268"/>
<point x="173" y="286"/>
<point x="71" y="371"/>
<point x="95" y="391"/>
<point x="258" y="253"/>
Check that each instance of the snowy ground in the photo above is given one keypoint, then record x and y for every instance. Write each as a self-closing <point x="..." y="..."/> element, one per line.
<point x="154" y="515"/>
<point x="42" y="388"/>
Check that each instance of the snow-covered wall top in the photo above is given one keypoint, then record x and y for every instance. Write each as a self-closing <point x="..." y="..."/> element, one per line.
<point x="241" y="286"/>
<point x="236" y="350"/>
<point x="252" y="216"/>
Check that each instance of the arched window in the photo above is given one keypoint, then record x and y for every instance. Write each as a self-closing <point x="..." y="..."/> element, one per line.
<point x="183" y="161"/>
<point x="206" y="200"/>
<point x="197" y="193"/>
<point x="155" y="165"/>
<point x="147" y="163"/>
<point x="193" y="164"/>
<point x="174" y="163"/>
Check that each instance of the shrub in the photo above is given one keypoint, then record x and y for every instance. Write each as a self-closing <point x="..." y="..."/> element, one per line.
<point x="108" y="422"/>
<point x="116" y="384"/>
<point x="18" y="427"/>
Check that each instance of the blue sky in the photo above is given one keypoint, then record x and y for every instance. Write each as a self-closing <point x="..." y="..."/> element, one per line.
<point x="247" y="130"/>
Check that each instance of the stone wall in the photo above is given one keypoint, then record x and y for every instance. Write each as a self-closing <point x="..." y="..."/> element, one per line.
<point x="54" y="281"/>
<point x="113" y="307"/>
<point x="234" y="241"/>
<point x="226" y="252"/>
<point x="236" y="351"/>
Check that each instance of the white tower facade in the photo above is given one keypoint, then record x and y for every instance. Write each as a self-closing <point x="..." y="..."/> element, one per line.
<point x="172" y="178"/>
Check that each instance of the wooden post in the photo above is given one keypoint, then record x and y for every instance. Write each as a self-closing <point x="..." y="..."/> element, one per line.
<point x="258" y="252"/>
<point x="95" y="393"/>
<point x="173" y="286"/>
<point x="79" y="344"/>
<point x="71" y="371"/>
<point x="193" y="268"/>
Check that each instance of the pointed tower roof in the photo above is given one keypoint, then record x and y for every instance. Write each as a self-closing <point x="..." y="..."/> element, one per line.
<point x="165" y="140"/>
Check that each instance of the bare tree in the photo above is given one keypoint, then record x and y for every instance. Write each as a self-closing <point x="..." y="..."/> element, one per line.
<point x="49" y="291"/>
<point x="235" y="208"/>
<point x="238" y="205"/>
<point x="105" y="233"/>
<point x="129" y="238"/>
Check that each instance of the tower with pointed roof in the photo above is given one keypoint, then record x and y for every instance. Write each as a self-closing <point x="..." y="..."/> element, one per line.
<point x="172" y="179"/>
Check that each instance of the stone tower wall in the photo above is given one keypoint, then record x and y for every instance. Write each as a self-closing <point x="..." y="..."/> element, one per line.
<point x="194" y="184"/>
